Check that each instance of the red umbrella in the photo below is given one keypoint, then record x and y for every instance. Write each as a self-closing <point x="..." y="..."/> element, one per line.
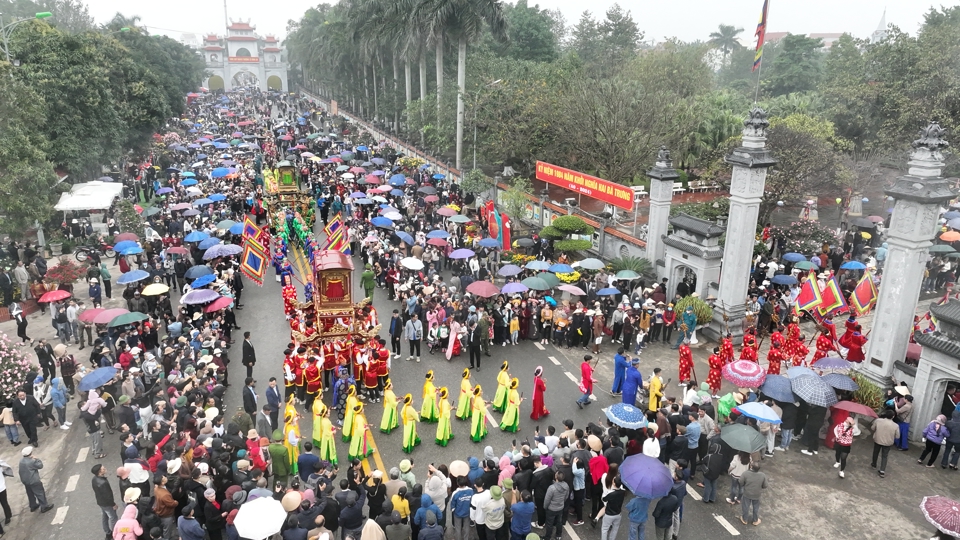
<point x="744" y="373"/>
<point x="177" y="250"/>
<point x="358" y="170"/>
<point x="138" y="208"/>
<point x="858" y="408"/>
<point x="439" y="242"/>
<point x="431" y="198"/>
<point x="446" y="212"/>
<point x="218" y="304"/>
<point x="411" y="182"/>
<point x="371" y="179"/>
<point x="126" y="236"/>
<point x="335" y="159"/>
<point x="55" y="296"/>
<point x="943" y="513"/>
<point x="88" y="315"/>
<point x="483" y="289"/>
<point x="107" y="315"/>
<point x="286" y="138"/>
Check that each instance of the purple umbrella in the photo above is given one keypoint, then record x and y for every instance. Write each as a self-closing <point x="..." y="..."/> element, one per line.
<point x="222" y="250"/>
<point x="509" y="270"/>
<point x="514" y="287"/>
<point x="201" y="296"/>
<point x="645" y="476"/>
<point x="378" y="173"/>
<point x="193" y="212"/>
<point x="832" y="362"/>
<point x="164" y="191"/>
<point x="462" y="253"/>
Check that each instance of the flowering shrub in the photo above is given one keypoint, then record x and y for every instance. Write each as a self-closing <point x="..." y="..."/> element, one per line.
<point x="65" y="272"/>
<point x="171" y="138"/>
<point x="520" y="259"/>
<point x="571" y="277"/>
<point x="454" y="207"/>
<point x="410" y="162"/>
<point x="806" y="236"/>
<point x="14" y="368"/>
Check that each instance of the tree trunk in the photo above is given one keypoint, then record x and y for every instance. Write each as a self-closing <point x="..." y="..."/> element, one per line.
<point x="396" y="91"/>
<point x="439" y="74"/>
<point x="365" y="112"/>
<point x="408" y="80"/>
<point x="423" y="93"/>
<point x="461" y="87"/>
<point x="376" y="101"/>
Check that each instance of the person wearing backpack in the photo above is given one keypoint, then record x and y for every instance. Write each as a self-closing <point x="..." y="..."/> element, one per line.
<point x="712" y="468"/>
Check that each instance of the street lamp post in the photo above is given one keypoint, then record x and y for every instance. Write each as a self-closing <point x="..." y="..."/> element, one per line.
<point x="476" y="100"/>
<point x="6" y="30"/>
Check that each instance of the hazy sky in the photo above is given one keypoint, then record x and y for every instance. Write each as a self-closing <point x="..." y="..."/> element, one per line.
<point x="686" y="19"/>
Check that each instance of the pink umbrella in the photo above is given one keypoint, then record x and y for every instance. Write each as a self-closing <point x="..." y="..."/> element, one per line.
<point x="107" y="315"/>
<point x="286" y="138"/>
<point x="181" y="206"/>
<point x="383" y="189"/>
<point x="431" y="198"/>
<point x="357" y="170"/>
<point x="218" y="304"/>
<point x="88" y="315"/>
<point x="199" y="296"/>
<point x="744" y="373"/>
<point x="335" y="159"/>
<point x="572" y="289"/>
<point x="483" y="289"/>
<point x="943" y="513"/>
<point x="446" y="212"/>
<point x="371" y="179"/>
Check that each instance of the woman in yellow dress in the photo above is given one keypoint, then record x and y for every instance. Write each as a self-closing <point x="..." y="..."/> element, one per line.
<point x="291" y="438"/>
<point x="317" y="435"/>
<point x="410" y="418"/>
<point x="503" y="381"/>
<point x="478" y="425"/>
<point x="352" y="402"/>
<point x="389" y="421"/>
<point x="327" y="446"/>
<point x="428" y="411"/>
<point x="463" y="403"/>
<point x="511" y="418"/>
<point x="444" y="429"/>
<point x="361" y="443"/>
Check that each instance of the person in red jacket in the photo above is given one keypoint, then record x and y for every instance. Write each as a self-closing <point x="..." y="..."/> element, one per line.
<point x="824" y="345"/>
<point x="749" y="349"/>
<point x="313" y="381"/>
<point x="854" y="342"/>
<point x="774" y="358"/>
<point x="586" y="381"/>
<point x="716" y="367"/>
<point x="329" y="352"/>
<point x="726" y="350"/>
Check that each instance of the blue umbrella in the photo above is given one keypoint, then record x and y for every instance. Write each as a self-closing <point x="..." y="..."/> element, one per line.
<point x="778" y="387"/>
<point x="405" y="237"/>
<point x="759" y="411"/>
<point x="381" y="221"/>
<point x="208" y="243"/>
<point x="125" y="244"/>
<point x="378" y="161"/>
<point x="626" y="416"/>
<point x="954" y="223"/>
<point x="794" y="257"/>
<point x="509" y="270"/>
<point x="550" y="300"/>
<point x="438" y="234"/>
<point x="196" y="236"/>
<point x="217" y="197"/>
<point x="219" y="172"/>
<point x="203" y="280"/>
<point x="236" y="228"/>
<point x="189" y="182"/>
<point x="784" y="279"/>
<point x="362" y="148"/>
<point x="489" y="243"/>
<point x="607" y="291"/>
<point x="132" y="276"/>
<point x="378" y="173"/>
<point x="537" y="265"/>
<point x="853" y="265"/>
<point x="841" y="382"/>
<point x="201" y="202"/>
<point x="164" y="191"/>
<point x="951" y="214"/>
<point x="398" y="180"/>
<point x="396" y="193"/>
<point x="439" y="176"/>
<point x="357" y="195"/>
<point x="96" y="378"/>
<point x="645" y="476"/>
<point x="799" y="371"/>
<point x="131" y="250"/>
<point x="363" y="201"/>
<point x="201" y="156"/>
<point x="560" y="268"/>
<point x="188" y="174"/>
<point x="196" y="271"/>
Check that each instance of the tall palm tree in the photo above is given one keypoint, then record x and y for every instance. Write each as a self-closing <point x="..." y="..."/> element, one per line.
<point x="463" y="21"/>
<point x="725" y="39"/>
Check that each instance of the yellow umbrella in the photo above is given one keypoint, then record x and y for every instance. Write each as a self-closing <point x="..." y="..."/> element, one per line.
<point x="866" y="235"/>
<point x="154" y="289"/>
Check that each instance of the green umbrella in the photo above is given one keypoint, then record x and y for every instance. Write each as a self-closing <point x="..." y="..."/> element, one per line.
<point x="536" y="284"/>
<point x="592" y="264"/>
<point x="953" y="255"/>
<point x="150" y="211"/>
<point x="805" y="265"/>
<point x="942" y="248"/>
<point x="742" y="438"/>
<point x="313" y="136"/>
<point x="127" y="318"/>
<point x="627" y="274"/>
<point x="235" y="142"/>
<point x="226" y="224"/>
<point x="460" y="219"/>
<point x="551" y="279"/>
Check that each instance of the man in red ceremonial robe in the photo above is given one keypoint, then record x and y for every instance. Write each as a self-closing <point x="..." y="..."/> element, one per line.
<point x="289" y="373"/>
<point x="854" y="342"/>
<point x="726" y="350"/>
<point x="749" y="349"/>
<point x="774" y="357"/>
<point x="716" y="366"/>
<point x="329" y="363"/>
<point x="300" y="380"/>
<point x="801" y="351"/>
<point x="314" y="382"/>
<point x="359" y="359"/>
<point x="824" y="345"/>
<point x="686" y="363"/>
<point x="371" y="380"/>
<point x="539" y="388"/>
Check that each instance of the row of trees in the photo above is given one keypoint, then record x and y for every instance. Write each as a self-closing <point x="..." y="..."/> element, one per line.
<point x="596" y="97"/>
<point x="81" y="99"/>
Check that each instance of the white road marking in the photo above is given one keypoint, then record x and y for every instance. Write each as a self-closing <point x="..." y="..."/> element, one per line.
<point x="693" y="493"/>
<point x="539" y="346"/>
<point x="554" y="360"/>
<point x="571" y="377"/>
<point x="570" y="531"/>
<point x="726" y="525"/>
<point x="82" y="455"/>
<point x="72" y="483"/>
<point x="61" y="515"/>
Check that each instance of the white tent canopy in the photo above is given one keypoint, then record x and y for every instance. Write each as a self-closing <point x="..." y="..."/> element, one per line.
<point x="93" y="195"/>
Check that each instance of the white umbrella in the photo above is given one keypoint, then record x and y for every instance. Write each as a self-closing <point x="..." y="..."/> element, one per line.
<point x="260" y="518"/>
<point x="393" y="216"/>
<point x="347" y="175"/>
<point x="412" y="263"/>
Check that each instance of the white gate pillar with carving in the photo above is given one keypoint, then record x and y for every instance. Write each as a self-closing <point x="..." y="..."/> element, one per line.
<point x="662" y="176"/>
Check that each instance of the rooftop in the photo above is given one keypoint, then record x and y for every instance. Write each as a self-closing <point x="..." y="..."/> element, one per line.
<point x="698" y="226"/>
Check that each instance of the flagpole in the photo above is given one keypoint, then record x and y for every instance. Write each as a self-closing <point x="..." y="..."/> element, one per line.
<point x="756" y="94"/>
<point x="766" y="21"/>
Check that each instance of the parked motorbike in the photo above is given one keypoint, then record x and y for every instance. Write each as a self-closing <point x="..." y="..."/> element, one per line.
<point x="82" y="253"/>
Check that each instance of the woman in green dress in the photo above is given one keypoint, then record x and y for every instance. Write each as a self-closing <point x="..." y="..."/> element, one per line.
<point x="361" y="441"/>
<point x="352" y="402"/>
<point x="444" y="429"/>
<point x="410" y="418"/>
<point x="390" y="420"/>
<point x="511" y="418"/>
<point x="478" y="424"/>
<point x="463" y="403"/>
<point x="503" y="380"/>
<point x="428" y="411"/>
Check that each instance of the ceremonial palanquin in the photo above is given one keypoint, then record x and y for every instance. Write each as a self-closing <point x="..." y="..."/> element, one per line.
<point x="282" y="189"/>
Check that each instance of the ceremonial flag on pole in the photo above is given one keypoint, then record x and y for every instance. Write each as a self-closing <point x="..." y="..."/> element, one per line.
<point x="254" y="262"/>
<point x="761" y="36"/>
<point x="809" y="296"/>
<point x="864" y="295"/>
<point x="334" y="225"/>
<point x="832" y="298"/>
<point x="253" y="233"/>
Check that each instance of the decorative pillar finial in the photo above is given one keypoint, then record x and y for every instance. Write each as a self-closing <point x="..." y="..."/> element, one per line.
<point x="663" y="157"/>
<point x="931" y="138"/>
<point x="756" y="123"/>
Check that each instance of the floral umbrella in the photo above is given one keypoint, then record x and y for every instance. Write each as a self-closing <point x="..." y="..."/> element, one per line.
<point x="744" y="373"/>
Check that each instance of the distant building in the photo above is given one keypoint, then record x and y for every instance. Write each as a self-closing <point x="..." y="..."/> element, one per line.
<point x="881" y="32"/>
<point x="190" y="40"/>
<point x="244" y="59"/>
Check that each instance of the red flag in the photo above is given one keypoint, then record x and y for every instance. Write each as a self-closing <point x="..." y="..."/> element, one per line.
<point x="832" y="297"/>
<point x="864" y="296"/>
<point x="809" y="297"/>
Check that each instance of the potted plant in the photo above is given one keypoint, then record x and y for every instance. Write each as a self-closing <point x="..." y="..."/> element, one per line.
<point x="55" y="243"/>
<point x="65" y="274"/>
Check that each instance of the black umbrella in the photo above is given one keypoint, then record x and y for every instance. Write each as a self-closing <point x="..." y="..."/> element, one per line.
<point x="525" y="242"/>
<point x="427" y="190"/>
<point x="863" y="222"/>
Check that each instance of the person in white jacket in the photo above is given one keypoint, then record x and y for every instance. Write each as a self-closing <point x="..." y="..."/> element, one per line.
<point x="477" y="504"/>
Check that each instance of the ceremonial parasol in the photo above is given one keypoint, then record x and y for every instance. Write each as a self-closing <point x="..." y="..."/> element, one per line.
<point x="744" y="373"/>
<point x="625" y="415"/>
